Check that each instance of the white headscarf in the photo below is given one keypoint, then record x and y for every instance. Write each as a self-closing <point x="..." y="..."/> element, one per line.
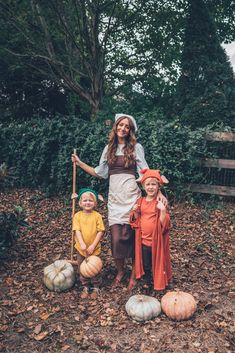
<point x="117" y="116"/>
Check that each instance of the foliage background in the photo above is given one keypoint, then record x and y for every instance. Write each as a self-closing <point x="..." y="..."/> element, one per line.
<point x="68" y="66"/>
<point x="40" y="150"/>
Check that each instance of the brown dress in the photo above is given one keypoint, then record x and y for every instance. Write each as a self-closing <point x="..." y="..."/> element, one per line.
<point x="123" y="194"/>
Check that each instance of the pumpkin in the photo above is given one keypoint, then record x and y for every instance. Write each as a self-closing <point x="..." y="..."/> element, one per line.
<point x="91" y="266"/>
<point x="142" y="307"/>
<point x="59" y="276"/>
<point x="178" y="305"/>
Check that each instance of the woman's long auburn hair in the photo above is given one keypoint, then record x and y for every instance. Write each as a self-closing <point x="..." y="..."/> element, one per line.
<point x="129" y="148"/>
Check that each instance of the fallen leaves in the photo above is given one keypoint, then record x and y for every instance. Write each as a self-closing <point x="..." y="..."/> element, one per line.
<point x="65" y="347"/>
<point x="37" y="329"/>
<point x="38" y="320"/>
<point x="3" y="328"/>
<point x="44" y="316"/>
<point x="40" y="336"/>
<point x="79" y="337"/>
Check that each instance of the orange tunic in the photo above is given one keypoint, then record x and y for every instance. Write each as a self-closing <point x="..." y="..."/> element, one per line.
<point x="161" y="262"/>
<point x="147" y="221"/>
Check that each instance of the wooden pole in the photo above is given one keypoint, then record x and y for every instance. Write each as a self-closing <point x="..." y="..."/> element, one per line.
<point x="73" y="204"/>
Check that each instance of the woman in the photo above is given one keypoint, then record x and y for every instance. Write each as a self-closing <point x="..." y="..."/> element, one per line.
<point x="120" y="159"/>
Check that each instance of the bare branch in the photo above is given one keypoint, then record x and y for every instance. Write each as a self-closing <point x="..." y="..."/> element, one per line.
<point x="49" y="44"/>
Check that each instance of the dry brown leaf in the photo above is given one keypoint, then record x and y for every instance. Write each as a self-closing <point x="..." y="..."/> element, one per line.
<point x="44" y="316"/>
<point x="197" y="344"/>
<point x="113" y="346"/>
<point x="4" y="328"/>
<point x="20" y="330"/>
<point x="37" y="329"/>
<point x="72" y="306"/>
<point x="9" y="281"/>
<point x="41" y="336"/>
<point x="30" y="307"/>
<point x="78" y="338"/>
<point x="6" y="302"/>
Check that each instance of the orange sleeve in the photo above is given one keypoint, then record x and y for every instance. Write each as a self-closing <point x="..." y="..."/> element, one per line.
<point x="166" y="225"/>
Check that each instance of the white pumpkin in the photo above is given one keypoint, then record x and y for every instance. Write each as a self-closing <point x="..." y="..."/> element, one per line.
<point x="59" y="276"/>
<point x="143" y="307"/>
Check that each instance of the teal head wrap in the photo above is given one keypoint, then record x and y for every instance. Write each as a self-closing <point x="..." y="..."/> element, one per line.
<point x="83" y="190"/>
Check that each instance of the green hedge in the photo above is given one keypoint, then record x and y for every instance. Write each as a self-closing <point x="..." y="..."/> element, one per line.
<point x="40" y="150"/>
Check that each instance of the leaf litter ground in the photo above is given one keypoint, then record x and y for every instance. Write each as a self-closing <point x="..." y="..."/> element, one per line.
<point x="33" y="319"/>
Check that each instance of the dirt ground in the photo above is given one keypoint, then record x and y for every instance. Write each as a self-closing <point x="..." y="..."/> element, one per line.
<point x="34" y="320"/>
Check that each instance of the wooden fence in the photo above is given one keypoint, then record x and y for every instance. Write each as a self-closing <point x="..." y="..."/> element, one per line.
<point x="220" y="172"/>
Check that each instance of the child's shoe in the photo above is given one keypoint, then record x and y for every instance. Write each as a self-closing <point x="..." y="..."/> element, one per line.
<point x="170" y="286"/>
<point x="84" y="293"/>
<point x="95" y="292"/>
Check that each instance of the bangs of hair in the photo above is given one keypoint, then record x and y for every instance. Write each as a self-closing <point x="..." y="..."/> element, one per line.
<point x="90" y="194"/>
<point x="150" y="179"/>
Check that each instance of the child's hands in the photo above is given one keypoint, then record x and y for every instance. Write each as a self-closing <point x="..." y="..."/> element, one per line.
<point x="83" y="246"/>
<point x="90" y="249"/>
<point x="161" y="198"/>
<point x="161" y="206"/>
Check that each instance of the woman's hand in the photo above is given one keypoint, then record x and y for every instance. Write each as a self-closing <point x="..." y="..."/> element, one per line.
<point x="76" y="159"/>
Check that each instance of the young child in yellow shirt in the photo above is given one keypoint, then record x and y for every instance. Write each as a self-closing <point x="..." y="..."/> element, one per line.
<point x="89" y="229"/>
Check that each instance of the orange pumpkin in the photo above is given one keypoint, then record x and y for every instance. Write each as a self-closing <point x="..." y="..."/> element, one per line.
<point x="91" y="266"/>
<point x="178" y="305"/>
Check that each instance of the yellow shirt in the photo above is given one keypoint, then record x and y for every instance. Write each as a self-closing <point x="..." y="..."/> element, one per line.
<point x="89" y="224"/>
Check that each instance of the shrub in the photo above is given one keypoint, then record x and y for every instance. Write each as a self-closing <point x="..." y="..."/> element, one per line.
<point x="40" y="151"/>
<point x="9" y="228"/>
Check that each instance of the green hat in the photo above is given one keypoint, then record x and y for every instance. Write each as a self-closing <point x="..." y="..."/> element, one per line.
<point x="83" y="190"/>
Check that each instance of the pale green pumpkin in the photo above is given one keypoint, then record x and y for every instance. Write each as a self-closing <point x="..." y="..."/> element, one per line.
<point x="59" y="276"/>
<point x="143" y="307"/>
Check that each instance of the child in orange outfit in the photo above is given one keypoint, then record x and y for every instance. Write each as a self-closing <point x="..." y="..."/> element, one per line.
<point x="151" y="221"/>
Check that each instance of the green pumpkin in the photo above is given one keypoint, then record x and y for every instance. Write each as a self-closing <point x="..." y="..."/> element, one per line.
<point x="59" y="276"/>
<point x="143" y="307"/>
